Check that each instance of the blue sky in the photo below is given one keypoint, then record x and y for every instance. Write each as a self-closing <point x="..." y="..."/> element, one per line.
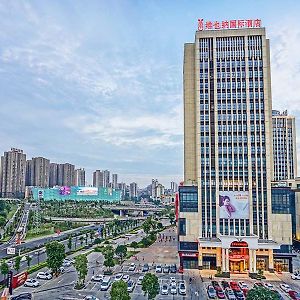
<point x="99" y="83"/>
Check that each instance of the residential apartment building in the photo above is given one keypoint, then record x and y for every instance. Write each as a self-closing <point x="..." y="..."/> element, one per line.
<point x="225" y="214"/>
<point x="53" y="173"/>
<point x="133" y="190"/>
<point x="79" y="177"/>
<point x="115" y="181"/>
<point x="12" y="177"/>
<point x="98" y="179"/>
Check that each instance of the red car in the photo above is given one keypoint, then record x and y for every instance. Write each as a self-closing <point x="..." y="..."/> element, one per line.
<point x="234" y="286"/>
<point x="220" y="294"/>
<point x="294" y="295"/>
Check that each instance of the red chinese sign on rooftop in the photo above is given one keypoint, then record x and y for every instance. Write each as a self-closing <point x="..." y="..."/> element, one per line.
<point x="228" y="24"/>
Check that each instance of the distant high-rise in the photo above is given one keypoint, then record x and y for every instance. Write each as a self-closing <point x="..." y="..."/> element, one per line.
<point x="98" y="179"/>
<point x="13" y="169"/>
<point x="80" y="177"/>
<point x="65" y="174"/>
<point x="53" y="180"/>
<point x="122" y="187"/>
<point x="41" y="168"/>
<point x="29" y="175"/>
<point x="284" y="146"/>
<point x="106" y="178"/>
<point x="115" y="181"/>
<point x="174" y="187"/>
<point x="133" y="190"/>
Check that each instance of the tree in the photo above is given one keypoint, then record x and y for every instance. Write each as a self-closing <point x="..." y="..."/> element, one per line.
<point x="4" y="268"/>
<point x="55" y="255"/>
<point x="92" y="235"/>
<point x="28" y="259"/>
<point x="134" y="244"/>
<point x="119" y="291"/>
<point x="262" y="293"/>
<point x="2" y="221"/>
<point x="121" y="251"/>
<point x="108" y="253"/>
<point x="150" y="285"/>
<point x="81" y="266"/>
<point x="18" y="263"/>
<point x="70" y="243"/>
<point x="171" y="217"/>
<point x="146" y="227"/>
<point x="109" y="262"/>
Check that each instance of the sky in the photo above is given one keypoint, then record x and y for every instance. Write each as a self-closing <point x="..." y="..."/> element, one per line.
<point x="99" y="83"/>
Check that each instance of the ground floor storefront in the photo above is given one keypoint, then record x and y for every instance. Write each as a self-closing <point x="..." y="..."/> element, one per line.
<point x="237" y="259"/>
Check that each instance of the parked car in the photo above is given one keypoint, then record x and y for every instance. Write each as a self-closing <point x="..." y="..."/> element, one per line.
<point x="66" y="264"/>
<point x="182" y="288"/>
<point x="173" y="289"/>
<point x="220" y="294"/>
<point x="158" y="269"/>
<point x="285" y="287"/>
<point x="294" y="295"/>
<point x="145" y="268"/>
<point x="118" y="277"/>
<point x="130" y="286"/>
<point x="243" y="285"/>
<point x="91" y="297"/>
<point x="97" y="278"/>
<point x="234" y="285"/>
<point x="44" y="275"/>
<point x="131" y="267"/>
<point x="172" y="281"/>
<point x="24" y="296"/>
<point x="105" y="283"/>
<point x="225" y="284"/>
<point x="230" y="294"/>
<point x="173" y="268"/>
<point x="216" y="285"/>
<point x="166" y="269"/>
<point x="239" y="294"/>
<point x="258" y="284"/>
<point x="140" y="279"/>
<point x="211" y="292"/>
<point x="31" y="283"/>
<point x="269" y="285"/>
<point x="295" y="276"/>
<point x="164" y="289"/>
<point x="125" y="278"/>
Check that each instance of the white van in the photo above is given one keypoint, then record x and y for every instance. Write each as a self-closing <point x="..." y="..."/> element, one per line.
<point x="105" y="283"/>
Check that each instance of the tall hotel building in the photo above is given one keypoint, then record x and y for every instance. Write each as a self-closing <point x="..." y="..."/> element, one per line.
<point x="225" y="219"/>
<point x="284" y="146"/>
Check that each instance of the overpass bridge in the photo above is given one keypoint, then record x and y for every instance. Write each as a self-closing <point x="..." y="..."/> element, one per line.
<point x="124" y="209"/>
<point x="92" y="220"/>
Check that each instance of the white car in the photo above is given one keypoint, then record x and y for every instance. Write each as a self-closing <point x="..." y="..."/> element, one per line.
<point x="243" y="285"/>
<point x="23" y="258"/>
<point x="118" y="277"/>
<point x="164" y="289"/>
<point x="10" y="263"/>
<point x="125" y="278"/>
<point x="173" y="289"/>
<point x="140" y="279"/>
<point x="97" y="278"/>
<point x="132" y="267"/>
<point x="44" y="275"/>
<point x="269" y="285"/>
<point x="91" y="298"/>
<point x="295" y="276"/>
<point x="182" y="288"/>
<point x="66" y="263"/>
<point x="130" y="286"/>
<point x="172" y="280"/>
<point x="158" y="269"/>
<point x="31" y="282"/>
<point x="285" y="287"/>
<point x="230" y="294"/>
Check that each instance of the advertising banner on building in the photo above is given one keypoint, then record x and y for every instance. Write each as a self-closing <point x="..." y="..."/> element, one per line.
<point x="234" y="205"/>
<point x="19" y="279"/>
<point x="87" y="191"/>
<point x="65" y="190"/>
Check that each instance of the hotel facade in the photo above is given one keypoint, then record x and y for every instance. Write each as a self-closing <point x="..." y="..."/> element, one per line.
<point x="225" y="218"/>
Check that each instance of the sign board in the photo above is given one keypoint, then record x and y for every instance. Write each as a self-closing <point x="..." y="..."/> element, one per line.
<point x="9" y="281"/>
<point x="182" y="254"/>
<point x="234" y="205"/>
<point x="228" y="24"/>
<point x="19" y="279"/>
<point x="11" y="250"/>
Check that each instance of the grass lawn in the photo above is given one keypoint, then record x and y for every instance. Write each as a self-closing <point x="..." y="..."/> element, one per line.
<point x="12" y="211"/>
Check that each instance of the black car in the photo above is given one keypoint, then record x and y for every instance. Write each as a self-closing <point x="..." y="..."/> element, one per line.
<point x="225" y="284"/>
<point x="145" y="268"/>
<point x="173" y="268"/>
<point x="24" y="296"/>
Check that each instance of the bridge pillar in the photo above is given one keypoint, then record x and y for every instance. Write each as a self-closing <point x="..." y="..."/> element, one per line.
<point x="121" y="213"/>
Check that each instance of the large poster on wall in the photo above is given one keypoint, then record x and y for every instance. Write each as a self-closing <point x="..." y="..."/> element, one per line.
<point x="87" y="191"/>
<point x="234" y="205"/>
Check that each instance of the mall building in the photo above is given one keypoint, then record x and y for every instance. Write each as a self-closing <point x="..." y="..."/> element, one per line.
<point x="225" y="218"/>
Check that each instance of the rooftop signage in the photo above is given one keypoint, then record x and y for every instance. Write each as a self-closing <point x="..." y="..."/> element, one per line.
<point x="228" y="24"/>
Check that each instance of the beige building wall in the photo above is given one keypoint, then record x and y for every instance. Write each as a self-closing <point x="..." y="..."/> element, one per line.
<point x="282" y="228"/>
<point x="190" y="175"/>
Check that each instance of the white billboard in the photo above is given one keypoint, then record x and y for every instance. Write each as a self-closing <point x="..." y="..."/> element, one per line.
<point x="87" y="191"/>
<point x="234" y="205"/>
<point x="11" y="250"/>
